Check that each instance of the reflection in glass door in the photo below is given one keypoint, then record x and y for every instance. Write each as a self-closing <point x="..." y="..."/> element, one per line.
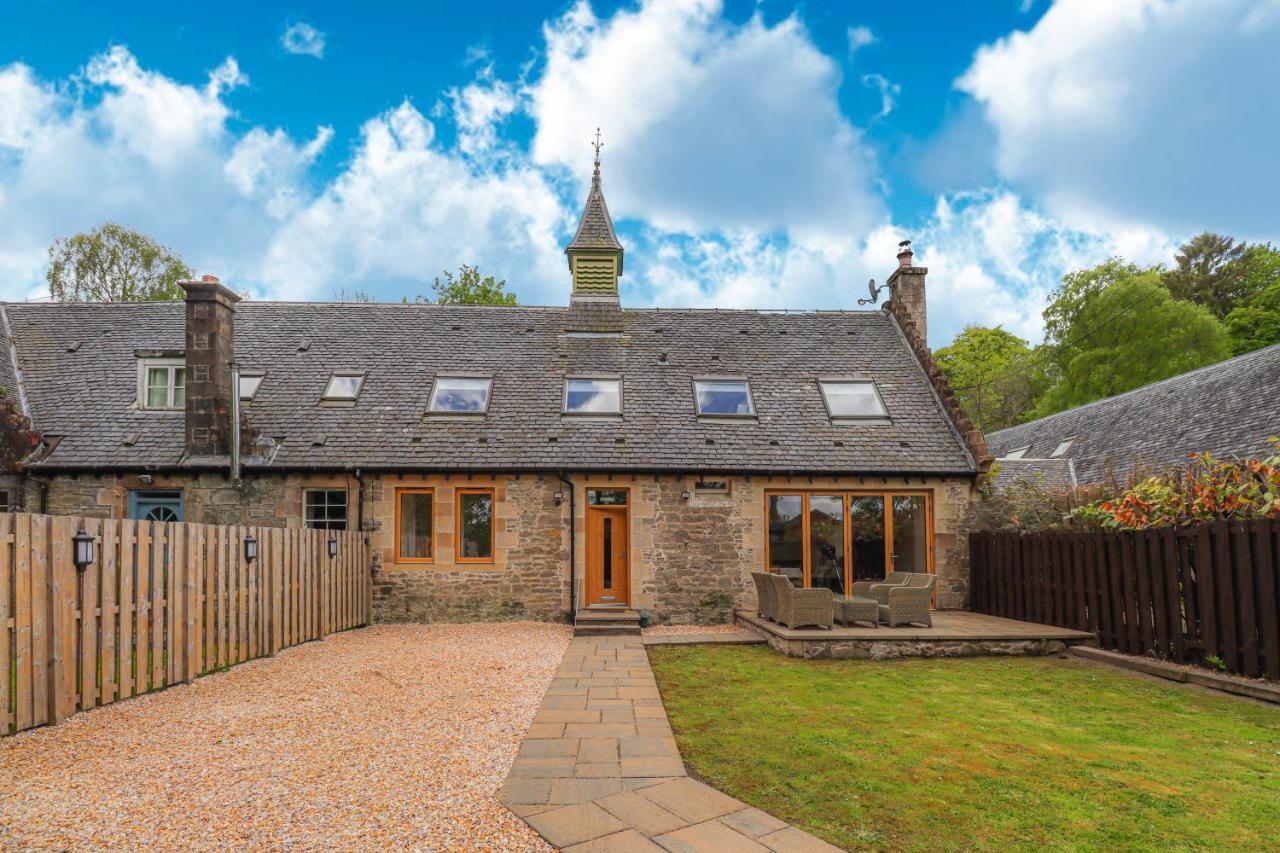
<point x="786" y="536"/>
<point x="910" y="534"/>
<point x="826" y="542"/>
<point x="866" y="513"/>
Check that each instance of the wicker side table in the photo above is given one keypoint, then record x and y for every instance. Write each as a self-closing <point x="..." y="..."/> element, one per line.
<point x="857" y="609"/>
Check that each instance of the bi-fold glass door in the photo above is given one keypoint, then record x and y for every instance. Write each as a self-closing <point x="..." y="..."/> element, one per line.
<point x="831" y="539"/>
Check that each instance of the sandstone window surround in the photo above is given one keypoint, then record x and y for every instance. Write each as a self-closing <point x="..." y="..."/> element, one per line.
<point x="162" y="384"/>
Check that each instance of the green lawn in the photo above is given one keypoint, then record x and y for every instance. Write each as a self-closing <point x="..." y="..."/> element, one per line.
<point x="981" y="753"/>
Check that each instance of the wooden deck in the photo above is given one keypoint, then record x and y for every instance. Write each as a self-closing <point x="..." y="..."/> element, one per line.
<point x="955" y="633"/>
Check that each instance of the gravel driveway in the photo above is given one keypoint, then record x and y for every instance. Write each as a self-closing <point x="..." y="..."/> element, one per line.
<point x="395" y="735"/>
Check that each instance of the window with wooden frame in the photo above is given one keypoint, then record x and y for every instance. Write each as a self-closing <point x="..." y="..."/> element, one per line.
<point x="831" y="538"/>
<point x="474" y="525"/>
<point x="415" y="522"/>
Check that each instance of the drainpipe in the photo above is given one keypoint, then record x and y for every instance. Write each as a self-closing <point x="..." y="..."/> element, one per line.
<point x="359" y="501"/>
<point x="573" y="547"/>
<point x="235" y="423"/>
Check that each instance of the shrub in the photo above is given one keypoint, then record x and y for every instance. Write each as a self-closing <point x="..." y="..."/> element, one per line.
<point x="1208" y="489"/>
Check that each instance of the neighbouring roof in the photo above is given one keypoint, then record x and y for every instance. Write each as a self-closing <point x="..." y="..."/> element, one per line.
<point x="1228" y="409"/>
<point x="1055" y="475"/>
<point x="86" y="395"/>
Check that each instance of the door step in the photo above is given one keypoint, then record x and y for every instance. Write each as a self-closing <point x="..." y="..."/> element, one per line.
<point x="606" y="623"/>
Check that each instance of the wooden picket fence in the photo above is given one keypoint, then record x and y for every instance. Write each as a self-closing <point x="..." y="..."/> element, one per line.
<point x="1186" y="594"/>
<point x="162" y="603"/>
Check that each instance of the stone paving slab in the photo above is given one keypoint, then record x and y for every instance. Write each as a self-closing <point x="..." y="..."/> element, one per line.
<point x="599" y="769"/>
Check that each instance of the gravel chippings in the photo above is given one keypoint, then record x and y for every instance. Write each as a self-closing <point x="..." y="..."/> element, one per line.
<point x="676" y="630"/>
<point x="389" y="736"/>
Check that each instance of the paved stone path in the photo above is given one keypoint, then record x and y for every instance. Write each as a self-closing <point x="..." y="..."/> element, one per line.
<point x="599" y="768"/>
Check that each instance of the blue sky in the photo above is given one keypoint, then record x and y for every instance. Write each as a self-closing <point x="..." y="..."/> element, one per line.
<point x="756" y="154"/>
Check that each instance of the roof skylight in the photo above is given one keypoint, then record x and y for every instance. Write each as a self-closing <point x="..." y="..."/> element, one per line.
<point x="852" y="398"/>
<point x="584" y="396"/>
<point x="343" y="387"/>
<point x="460" y="395"/>
<point x="1063" y="446"/>
<point x="1017" y="454"/>
<point x="249" y="383"/>
<point x="723" y="397"/>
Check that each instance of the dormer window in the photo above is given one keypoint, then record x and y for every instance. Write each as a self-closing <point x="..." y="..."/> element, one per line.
<point x="852" y="398"/>
<point x="460" y="395"/>
<point x="162" y="384"/>
<point x="590" y="396"/>
<point x="249" y="382"/>
<point x="343" y="388"/>
<point x="723" y="398"/>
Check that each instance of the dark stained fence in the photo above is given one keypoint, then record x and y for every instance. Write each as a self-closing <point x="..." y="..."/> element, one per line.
<point x="1185" y="594"/>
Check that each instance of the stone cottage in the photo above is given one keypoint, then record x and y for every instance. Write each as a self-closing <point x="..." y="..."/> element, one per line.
<point x="516" y="462"/>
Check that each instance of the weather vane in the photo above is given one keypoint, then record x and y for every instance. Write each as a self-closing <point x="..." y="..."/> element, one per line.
<point x="597" y="145"/>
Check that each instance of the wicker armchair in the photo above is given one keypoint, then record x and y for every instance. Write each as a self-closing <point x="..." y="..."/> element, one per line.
<point x="766" y="597"/>
<point x="867" y="589"/>
<point x="802" y="607"/>
<point x="910" y="604"/>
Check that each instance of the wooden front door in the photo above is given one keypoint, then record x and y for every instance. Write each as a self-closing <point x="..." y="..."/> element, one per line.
<point x="608" y="569"/>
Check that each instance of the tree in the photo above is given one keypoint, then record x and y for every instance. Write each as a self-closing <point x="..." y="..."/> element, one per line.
<point x="1078" y="288"/>
<point x="1257" y="324"/>
<point x="470" y="289"/>
<point x="1129" y="334"/>
<point x="1219" y="273"/>
<point x="114" y="264"/>
<point x="17" y="440"/>
<point x="992" y="374"/>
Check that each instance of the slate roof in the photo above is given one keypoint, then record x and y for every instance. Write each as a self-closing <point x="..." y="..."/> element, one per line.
<point x="1229" y="409"/>
<point x="1057" y="475"/>
<point x="86" y="394"/>
<point x="595" y="229"/>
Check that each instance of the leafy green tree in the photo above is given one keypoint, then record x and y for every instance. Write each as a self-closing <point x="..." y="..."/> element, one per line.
<point x="114" y="264"/>
<point x="1078" y="290"/>
<point x="468" y="288"/>
<point x="993" y="374"/>
<point x="1129" y="334"/>
<point x="1257" y="324"/>
<point x="1221" y="274"/>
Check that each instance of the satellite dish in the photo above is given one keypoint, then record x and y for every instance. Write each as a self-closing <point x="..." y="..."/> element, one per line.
<point x="875" y="293"/>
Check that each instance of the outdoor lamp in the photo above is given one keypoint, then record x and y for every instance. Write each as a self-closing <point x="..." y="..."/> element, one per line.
<point x="250" y="548"/>
<point x="333" y="547"/>
<point x="83" y="548"/>
<point x="559" y="498"/>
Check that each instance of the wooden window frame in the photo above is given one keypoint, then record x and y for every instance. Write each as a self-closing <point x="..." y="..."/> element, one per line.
<point x="416" y="490"/>
<point x="458" y="494"/>
<point x="346" y="506"/>
<point x="845" y="494"/>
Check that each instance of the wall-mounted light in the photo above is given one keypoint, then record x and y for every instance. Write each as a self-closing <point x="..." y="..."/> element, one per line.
<point x="333" y="547"/>
<point x="145" y="479"/>
<point x="686" y="495"/>
<point x="250" y="548"/>
<point x="559" y="498"/>
<point x="82" y="543"/>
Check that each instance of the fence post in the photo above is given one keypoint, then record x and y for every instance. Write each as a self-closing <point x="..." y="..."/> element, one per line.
<point x="62" y="620"/>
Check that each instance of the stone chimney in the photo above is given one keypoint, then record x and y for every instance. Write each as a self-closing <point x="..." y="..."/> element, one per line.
<point x="211" y="312"/>
<point x="907" y="302"/>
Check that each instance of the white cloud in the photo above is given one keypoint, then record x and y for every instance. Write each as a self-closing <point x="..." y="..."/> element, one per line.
<point x="859" y="37"/>
<point x="479" y="108"/>
<point x="1137" y="111"/>
<point x="302" y="38"/>
<point x="889" y="92"/>
<point x="405" y="209"/>
<point x="707" y="125"/>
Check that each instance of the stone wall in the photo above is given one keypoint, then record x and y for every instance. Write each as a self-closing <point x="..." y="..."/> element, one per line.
<point x="690" y="558"/>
